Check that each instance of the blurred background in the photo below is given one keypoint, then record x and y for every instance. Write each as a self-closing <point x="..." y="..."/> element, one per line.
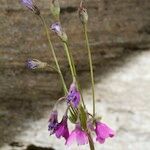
<point x="119" y="34"/>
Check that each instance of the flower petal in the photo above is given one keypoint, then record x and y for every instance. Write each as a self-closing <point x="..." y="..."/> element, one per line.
<point x="59" y="131"/>
<point x="103" y="130"/>
<point x="100" y="140"/>
<point x="66" y="134"/>
<point x="81" y="138"/>
<point x="71" y="138"/>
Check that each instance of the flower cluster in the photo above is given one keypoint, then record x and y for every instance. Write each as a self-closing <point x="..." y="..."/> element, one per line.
<point x="80" y="134"/>
<point x="86" y="123"/>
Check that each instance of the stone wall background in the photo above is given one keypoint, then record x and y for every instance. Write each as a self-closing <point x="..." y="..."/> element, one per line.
<point x="115" y="28"/>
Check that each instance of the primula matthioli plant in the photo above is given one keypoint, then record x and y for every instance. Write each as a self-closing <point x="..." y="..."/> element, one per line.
<point x="86" y="124"/>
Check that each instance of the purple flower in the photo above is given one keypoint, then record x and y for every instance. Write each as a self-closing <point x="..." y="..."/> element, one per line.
<point x="73" y="95"/>
<point x="79" y="135"/>
<point x="56" y="27"/>
<point x="103" y="132"/>
<point x="34" y="64"/>
<point x="30" y="5"/>
<point x="31" y="64"/>
<point x="27" y="3"/>
<point x="62" y="129"/>
<point x="53" y="122"/>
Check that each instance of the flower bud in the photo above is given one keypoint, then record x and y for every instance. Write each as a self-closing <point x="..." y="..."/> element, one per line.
<point x="35" y="64"/>
<point x="53" y="121"/>
<point x="56" y="27"/>
<point x="55" y="8"/>
<point x="83" y="15"/>
<point x="73" y="96"/>
<point x="30" y="5"/>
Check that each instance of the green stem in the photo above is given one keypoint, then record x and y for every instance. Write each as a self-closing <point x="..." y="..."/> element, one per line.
<point x="55" y="58"/>
<point x="91" y="143"/>
<point x="91" y="66"/>
<point x="69" y="60"/>
<point x="54" y="55"/>
<point x="73" y="69"/>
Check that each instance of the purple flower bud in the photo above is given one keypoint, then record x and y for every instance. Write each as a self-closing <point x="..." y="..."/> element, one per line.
<point x="73" y="96"/>
<point x="103" y="131"/>
<point x="62" y="129"/>
<point x="53" y="122"/>
<point x="30" y="5"/>
<point x="56" y="27"/>
<point x="79" y="135"/>
<point x="27" y="3"/>
<point x="35" y="64"/>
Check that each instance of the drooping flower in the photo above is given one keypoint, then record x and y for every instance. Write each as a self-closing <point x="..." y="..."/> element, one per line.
<point x="79" y="135"/>
<point x="62" y="129"/>
<point x="56" y="27"/>
<point x="73" y="96"/>
<point x="103" y="131"/>
<point x="35" y="64"/>
<point x="53" y="122"/>
<point x="30" y="5"/>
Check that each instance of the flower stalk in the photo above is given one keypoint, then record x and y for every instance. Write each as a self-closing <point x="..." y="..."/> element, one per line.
<point x="91" y="65"/>
<point x="91" y="143"/>
<point x="73" y="69"/>
<point x="69" y="60"/>
<point x="54" y="54"/>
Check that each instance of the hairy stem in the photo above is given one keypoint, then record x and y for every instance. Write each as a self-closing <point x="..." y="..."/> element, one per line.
<point x="91" y="66"/>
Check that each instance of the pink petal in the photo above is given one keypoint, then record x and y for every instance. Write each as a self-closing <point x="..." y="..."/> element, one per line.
<point x="81" y="138"/>
<point x="66" y="134"/>
<point x="100" y="140"/>
<point x="59" y="131"/>
<point x="104" y="131"/>
<point x="111" y="133"/>
<point x="71" y="138"/>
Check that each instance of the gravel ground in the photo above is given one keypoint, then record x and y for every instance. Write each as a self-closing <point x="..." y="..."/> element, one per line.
<point x="123" y="101"/>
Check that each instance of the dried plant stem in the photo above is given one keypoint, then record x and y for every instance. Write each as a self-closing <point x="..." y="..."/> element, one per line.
<point x="91" y="66"/>
<point x="54" y="55"/>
